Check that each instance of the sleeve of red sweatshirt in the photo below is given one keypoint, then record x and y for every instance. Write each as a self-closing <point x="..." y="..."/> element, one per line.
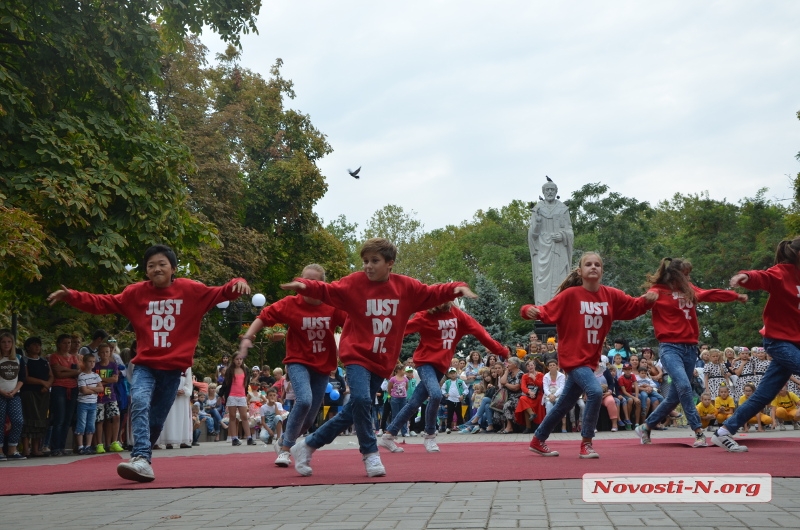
<point x="760" y="280"/>
<point x="272" y="314"/>
<point x="472" y="327"/>
<point x="428" y="296"/>
<point x="208" y="297"/>
<point x="715" y="295"/>
<point x="627" y="307"/>
<point x="99" y="304"/>
<point x="549" y="312"/>
<point x="333" y="294"/>
<point x="414" y="324"/>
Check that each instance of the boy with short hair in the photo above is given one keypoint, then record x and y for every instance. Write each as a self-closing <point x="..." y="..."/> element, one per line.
<point x="89" y="386"/>
<point x="378" y="303"/>
<point x="648" y="391"/>
<point x="706" y="410"/>
<point x="454" y="390"/>
<point x="630" y="389"/>
<point x="272" y="415"/>
<point x="166" y="313"/>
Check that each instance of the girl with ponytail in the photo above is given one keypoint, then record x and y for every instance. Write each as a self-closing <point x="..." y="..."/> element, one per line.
<point x="781" y="333"/>
<point x="677" y="331"/>
<point x="582" y="310"/>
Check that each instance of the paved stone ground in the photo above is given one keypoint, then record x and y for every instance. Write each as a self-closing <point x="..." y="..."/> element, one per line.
<point x="490" y="505"/>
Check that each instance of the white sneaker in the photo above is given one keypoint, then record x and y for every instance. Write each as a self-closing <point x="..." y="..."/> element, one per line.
<point x="700" y="440"/>
<point x="137" y="469"/>
<point x="412" y="434"/>
<point x="429" y="441"/>
<point x="373" y="464"/>
<point x="379" y="433"/>
<point x="387" y="442"/>
<point x="727" y="442"/>
<point x="782" y="427"/>
<point x="302" y="457"/>
<point x="284" y="459"/>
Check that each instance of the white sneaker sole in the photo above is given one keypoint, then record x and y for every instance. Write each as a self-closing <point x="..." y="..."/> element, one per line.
<point x="129" y="473"/>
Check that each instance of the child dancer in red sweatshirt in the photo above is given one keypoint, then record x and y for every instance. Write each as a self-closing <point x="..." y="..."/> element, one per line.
<point x="378" y="304"/>
<point x="165" y="313"/>
<point x="781" y="333"/>
<point x="440" y="329"/>
<point x="582" y="310"/>
<point x="675" y="323"/>
<point x="311" y="354"/>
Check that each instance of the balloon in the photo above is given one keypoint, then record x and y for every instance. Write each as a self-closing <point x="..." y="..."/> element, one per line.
<point x="328" y="388"/>
<point x="334" y="395"/>
<point x="521" y="353"/>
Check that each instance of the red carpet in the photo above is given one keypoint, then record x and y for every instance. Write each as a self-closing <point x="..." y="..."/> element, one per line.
<point x="501" y="461"/>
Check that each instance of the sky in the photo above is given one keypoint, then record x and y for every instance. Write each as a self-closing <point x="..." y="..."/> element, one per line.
<point x="451" y="107"/>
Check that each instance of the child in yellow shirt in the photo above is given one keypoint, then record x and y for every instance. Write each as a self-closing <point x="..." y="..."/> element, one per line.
<point x="759" y="419"/>
<point x="785" y="408"/>
<point x="706" y="410"/>
<point x="724" y="404"/>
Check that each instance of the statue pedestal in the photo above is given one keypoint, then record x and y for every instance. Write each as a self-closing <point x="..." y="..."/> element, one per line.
<point x="543" y="330"/>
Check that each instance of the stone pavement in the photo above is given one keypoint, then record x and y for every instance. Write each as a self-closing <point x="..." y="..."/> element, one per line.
<point x="526" y="504"/>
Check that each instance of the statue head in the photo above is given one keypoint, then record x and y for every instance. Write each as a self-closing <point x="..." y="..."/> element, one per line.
<point x="549" y="190"/>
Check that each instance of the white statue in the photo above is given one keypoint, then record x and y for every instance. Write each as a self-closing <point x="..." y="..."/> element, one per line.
<point x="550" y="239"/>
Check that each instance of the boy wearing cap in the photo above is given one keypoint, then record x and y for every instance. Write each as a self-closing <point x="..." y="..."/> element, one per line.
<point x="630" y="389"/>
<point x="454" y="390"/>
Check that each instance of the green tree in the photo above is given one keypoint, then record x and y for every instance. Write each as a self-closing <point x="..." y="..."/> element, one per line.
<point x="82" y="151"/>
<point x="489" y="309"/>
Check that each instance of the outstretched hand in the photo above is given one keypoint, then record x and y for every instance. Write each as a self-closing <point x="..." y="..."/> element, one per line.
<point x="466" y="292"/>
<point x="58" y="296"/>
<point x="532" y="313"/>
<point x="650" y="296"/>
<point x="293" y="286"/>
<point x="743" y="298"/>
<point x="739" y="279"/>
<point x="241" y="287"/>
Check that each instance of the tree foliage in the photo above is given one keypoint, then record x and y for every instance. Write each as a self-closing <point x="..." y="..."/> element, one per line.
<point x="81" y="150"/>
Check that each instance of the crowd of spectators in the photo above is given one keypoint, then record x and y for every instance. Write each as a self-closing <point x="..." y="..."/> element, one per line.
<point x="84" y="389"/>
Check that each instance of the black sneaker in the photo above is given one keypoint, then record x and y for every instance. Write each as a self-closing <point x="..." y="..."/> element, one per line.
<point x="236" y="441"/>
<point x="250" y="441"/>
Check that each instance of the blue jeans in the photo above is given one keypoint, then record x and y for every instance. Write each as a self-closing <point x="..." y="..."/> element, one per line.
<point x="309" y="391"/>
<point x="785" y="362"/>
<point x="87" y="412"/>
<point x="152" y="395"/>
<point x="397" y="404"/>
<point x="484" y="413"/>
<point x="678" y="361"/>
<point x="217" y="420"/>
<point x="578" y="381"/>
<point x="428" y="388"/>
<point x="357" y="412"/>
<point x="63" y="404"/>
<point x="11" y="408"/>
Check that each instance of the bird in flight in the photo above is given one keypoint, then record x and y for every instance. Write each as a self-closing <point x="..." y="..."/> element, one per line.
<point x="354" y="174"/>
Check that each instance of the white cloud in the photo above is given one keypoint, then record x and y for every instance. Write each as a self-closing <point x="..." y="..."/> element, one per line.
<point x="451" y="107"/>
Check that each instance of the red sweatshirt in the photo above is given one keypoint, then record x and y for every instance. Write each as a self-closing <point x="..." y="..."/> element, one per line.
<point x="782" y="312"/>
<point x="675" y="319"/>
<point x="582" y="320"/>
<point x="166" y="321"/>
<point x="440" y="333"/>
<point x="309" y="339"/>
<point x="377" y="313"/>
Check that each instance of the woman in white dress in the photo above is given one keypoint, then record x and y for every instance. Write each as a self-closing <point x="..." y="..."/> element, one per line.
<point x="178" y="426"/>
